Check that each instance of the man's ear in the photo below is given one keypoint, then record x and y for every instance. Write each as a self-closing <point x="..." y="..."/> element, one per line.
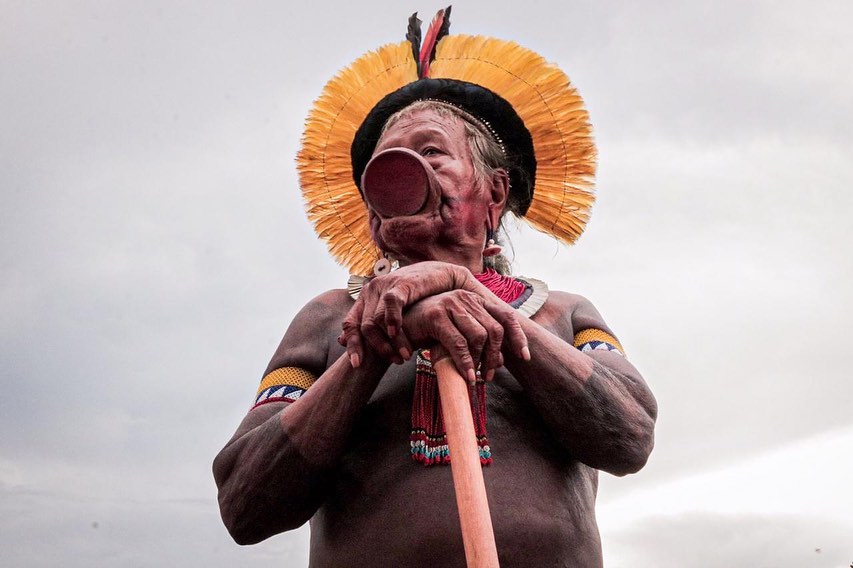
<point x="499" y="193"/>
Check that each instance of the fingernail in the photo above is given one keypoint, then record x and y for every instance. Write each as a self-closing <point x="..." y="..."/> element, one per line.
<point x="490" y="375"/>
<point x="472" y="376"/>
<point x="405" y="353"/>
<point x="392" y="330"/>
<point x="525" y="353"/>
<point x="354" y="361"/>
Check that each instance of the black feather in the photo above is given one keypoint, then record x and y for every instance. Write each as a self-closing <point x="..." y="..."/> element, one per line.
<point x="445" y="26"/>
<point x="413" y="34"/>
<point x="442" y="31"/>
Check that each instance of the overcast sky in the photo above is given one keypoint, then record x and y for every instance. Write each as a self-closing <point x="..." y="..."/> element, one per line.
<point x="153" y="249"/>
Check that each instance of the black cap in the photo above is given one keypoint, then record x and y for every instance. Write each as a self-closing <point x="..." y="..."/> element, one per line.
<point x="497" y="114"/>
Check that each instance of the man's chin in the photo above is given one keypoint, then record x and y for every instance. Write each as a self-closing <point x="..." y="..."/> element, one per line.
<point x="413" y="233"/>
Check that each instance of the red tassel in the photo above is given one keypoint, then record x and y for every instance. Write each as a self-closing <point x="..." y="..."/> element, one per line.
<point x="429" y="438"/>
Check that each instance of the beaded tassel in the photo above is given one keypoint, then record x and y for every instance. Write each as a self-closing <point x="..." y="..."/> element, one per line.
<point x="429" y="437"/>
<point x="478" y="410"/>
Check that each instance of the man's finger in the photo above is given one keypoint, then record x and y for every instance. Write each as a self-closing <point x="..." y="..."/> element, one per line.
<point x="455" y="344"/>
<point x="492" y="358"/>
<point x="514" y="336"/>
<point x="378" y="341"/>
<point x="351" y="337"/>
<point x="396" y="335"/>
<point x="473" y="331"/>
<point x="402" y="345"/>
<point x="354" y="349"/>
<point x="394" y="301"/>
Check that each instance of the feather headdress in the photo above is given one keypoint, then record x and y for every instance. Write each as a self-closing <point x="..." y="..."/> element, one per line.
<point x="526" y="101"/>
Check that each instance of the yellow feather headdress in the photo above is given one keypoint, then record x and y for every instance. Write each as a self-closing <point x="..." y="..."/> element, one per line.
<point x="541" y="95"/>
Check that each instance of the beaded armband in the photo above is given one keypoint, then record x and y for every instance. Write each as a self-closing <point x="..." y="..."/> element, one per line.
<point x="283" y="385"/>
<point x="597" y="340"/>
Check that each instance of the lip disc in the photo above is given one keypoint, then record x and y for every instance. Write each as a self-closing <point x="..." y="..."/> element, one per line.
<point x="397" y="182"/>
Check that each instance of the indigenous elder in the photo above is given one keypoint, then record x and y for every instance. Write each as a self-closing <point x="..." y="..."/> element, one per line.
<point x="483" y="126"/>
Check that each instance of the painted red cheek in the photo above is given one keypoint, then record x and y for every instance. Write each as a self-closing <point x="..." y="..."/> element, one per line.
<point x="473" y="217"/>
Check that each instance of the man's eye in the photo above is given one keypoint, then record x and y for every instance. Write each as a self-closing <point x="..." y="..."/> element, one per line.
<point x="430" y="151"/>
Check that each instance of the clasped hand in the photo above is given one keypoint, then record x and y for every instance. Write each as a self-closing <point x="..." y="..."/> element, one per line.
<point x="432" y="304"/>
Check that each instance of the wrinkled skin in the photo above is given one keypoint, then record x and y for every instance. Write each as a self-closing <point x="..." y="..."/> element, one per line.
<point x="339" y="455"/>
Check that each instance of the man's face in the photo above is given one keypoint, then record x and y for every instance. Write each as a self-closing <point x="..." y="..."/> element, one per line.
<point x="459" y="222"/>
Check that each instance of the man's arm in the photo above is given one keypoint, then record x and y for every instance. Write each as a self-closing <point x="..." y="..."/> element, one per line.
<point x="596" y="404"/>
<point x="273" y="474"/>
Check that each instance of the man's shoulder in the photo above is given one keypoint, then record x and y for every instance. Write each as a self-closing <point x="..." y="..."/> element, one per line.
<point x="573" y="313"/>
<point x="566" y="312"/>
<point x="565" y="303"/>
<point x="310" y="336"/>
<point x="333" y="298"/>
<point x="321" y="315"/>
<point x="330" y="305"/>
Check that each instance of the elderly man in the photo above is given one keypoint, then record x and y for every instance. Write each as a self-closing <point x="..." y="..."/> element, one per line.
<point x="350" y="390"/>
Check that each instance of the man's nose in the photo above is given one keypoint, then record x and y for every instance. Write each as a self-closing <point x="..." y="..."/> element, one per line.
<point x="398" y="182"/>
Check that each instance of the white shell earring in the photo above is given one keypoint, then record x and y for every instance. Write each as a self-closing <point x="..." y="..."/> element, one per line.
<point x="491" y="248"/>
<point x="382" y="266"/>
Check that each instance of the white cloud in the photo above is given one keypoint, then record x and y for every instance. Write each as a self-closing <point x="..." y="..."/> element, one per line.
<point x="774" y="509"/>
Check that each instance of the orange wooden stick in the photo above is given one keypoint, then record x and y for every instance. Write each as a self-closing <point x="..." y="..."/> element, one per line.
<point x="477" y="534"/>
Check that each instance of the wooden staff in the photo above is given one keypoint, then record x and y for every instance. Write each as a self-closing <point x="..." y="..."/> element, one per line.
<point x="477" y="534"/>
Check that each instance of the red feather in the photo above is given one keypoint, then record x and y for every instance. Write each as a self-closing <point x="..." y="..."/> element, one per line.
<point x="428" y="45"/>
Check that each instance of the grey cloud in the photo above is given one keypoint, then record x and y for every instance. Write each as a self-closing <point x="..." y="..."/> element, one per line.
<point x="46" y="530"/>
<point x="745" y="541"/>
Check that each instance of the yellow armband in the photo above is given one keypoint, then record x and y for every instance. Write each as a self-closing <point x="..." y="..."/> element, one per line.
<point x="596" y="339"/>
<point x="283" y="385"/>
